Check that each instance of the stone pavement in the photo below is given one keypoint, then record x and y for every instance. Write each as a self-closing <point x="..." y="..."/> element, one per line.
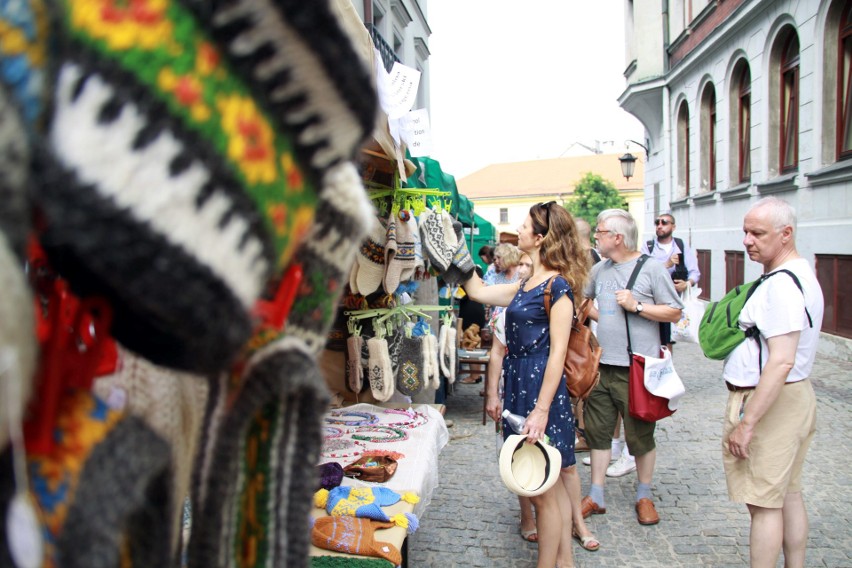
<point x="473" y="519"/>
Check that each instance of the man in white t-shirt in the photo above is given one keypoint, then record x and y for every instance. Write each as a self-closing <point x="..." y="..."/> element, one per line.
<point x="771" y="413"/>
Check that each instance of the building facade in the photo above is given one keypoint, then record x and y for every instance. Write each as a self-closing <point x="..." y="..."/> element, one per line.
<point x="400" y="32"/>
<point x="741" y="99"/>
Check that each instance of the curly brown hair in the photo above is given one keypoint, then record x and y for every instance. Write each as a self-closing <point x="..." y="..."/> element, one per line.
<point x="561" y="249"/>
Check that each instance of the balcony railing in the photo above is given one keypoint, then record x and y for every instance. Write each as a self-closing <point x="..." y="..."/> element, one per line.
<point x="385" y="50"/>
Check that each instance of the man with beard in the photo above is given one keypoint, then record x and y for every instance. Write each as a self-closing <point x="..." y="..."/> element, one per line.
<point x="678" y="258"/>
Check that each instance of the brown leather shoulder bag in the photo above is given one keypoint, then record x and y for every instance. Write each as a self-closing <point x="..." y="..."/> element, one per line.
<point x="584" y="351"/>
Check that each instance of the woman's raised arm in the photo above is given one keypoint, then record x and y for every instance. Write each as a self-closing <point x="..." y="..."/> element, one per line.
<point x="495" y="295"/>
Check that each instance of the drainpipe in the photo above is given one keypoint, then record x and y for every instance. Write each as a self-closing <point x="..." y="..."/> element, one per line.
<point x="665" y="36"/>
<point x="368" y="11"/>
<point x="667" y="146"/>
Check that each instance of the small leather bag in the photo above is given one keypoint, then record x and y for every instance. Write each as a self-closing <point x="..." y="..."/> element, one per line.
<point x="584" y="352"/>
<point x="376" y="469"/>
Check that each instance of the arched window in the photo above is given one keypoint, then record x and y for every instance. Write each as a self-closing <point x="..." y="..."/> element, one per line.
<point x="683" y="150"/>
<point x="844" y="84"/>
<point x="708" y="138"/>
<point x="744" y="123"/>
<point x="789" y="107"/>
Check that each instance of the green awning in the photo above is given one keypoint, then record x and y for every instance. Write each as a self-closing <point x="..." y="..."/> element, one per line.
<point x="483" y="234"/>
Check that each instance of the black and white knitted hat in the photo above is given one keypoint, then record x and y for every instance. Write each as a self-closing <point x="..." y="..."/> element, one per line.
<point x="182" y="166"/>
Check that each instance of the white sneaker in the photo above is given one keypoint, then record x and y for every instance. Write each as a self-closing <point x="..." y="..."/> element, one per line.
<point x="622" y="466"/>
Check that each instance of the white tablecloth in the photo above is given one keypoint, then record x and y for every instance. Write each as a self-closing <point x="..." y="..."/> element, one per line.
<point x="418" y="470"/>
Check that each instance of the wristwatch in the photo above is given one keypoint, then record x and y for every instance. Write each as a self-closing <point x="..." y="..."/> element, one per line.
<point x="639" y="308"/>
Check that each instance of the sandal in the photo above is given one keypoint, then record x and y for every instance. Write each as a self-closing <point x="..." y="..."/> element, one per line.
<point x="530" y="536"/>
<point x="590" y="543"/>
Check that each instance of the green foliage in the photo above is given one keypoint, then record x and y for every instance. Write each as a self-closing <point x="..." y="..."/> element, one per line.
<point x="592" y="195"/>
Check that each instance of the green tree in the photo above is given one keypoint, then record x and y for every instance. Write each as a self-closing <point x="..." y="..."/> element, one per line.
<point x="592" y="195"/>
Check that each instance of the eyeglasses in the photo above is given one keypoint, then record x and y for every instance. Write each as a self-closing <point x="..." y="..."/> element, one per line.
<point x="602" y="231"/>
<point x="662" y="222"/>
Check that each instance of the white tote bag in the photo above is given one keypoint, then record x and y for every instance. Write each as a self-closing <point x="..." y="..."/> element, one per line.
<point x="686" y="330"/>
<point x="662" y="380"/>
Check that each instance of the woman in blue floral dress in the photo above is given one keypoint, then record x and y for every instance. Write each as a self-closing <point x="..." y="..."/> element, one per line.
<point x="534" y="383"/>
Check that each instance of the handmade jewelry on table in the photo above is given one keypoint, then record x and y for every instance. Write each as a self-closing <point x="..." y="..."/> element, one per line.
<point x="329" y="432"/>
<point x="367" y="418"/>
<point x="393" y="434"/>
<point x="338" y="448"/>
<point x="415" y="418"/>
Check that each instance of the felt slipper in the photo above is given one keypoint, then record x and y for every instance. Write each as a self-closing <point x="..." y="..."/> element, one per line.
<point x="590" y="543"/>
<point x="530" y="536"/>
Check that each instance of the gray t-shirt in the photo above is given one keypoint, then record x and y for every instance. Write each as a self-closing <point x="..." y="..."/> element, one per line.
<point x="652" y="286"/>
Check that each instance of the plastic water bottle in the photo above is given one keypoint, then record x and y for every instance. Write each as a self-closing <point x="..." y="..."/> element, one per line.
<point x="516" y="423"/>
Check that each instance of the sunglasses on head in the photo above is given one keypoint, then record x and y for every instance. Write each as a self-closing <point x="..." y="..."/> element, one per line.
<point x="662" y="222"/>
<point x="546" y="207"/>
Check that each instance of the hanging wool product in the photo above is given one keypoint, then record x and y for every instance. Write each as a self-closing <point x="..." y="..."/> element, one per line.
<point x="448" y="352"/>
<point x="430" y="361"/>
<point x="354" y="367"/>
<point x="380" y="371"/>
<point x="411" y="373"/>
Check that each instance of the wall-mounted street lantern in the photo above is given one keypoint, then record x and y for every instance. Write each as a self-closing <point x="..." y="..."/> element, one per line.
<point x="628" y="160"/>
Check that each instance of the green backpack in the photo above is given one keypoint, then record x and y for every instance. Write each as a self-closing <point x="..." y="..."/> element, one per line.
<point x="719" y="331"/>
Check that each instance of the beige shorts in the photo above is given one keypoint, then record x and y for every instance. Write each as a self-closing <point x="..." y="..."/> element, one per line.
<point x="776" y="451"/>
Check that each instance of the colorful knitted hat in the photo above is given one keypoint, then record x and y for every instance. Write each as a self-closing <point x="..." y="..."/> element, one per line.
<point x="369" y="269"/>
<point x="401" y="263"/>
<point x="184" y="156"/>
<point x="367" y="502"/>
<point x="103" y="490"/>
<point x="353" y="536"/>
<point x="411" y="373"/>
<point x="438" y="238"/>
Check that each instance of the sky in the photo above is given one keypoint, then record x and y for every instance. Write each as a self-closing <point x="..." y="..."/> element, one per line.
<point x="515" y="81"/>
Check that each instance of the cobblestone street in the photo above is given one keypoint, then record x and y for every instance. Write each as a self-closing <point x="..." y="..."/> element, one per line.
<point x="473" y="520"/>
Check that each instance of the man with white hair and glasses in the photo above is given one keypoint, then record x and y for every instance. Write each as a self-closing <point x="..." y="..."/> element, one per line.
<point x="651" y="300"/>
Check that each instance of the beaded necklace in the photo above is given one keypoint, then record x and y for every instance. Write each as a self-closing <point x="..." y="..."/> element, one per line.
<point x="331" y="432"/>
<point x="415" y="418"/>
<point x="335" y="448"/>
<point x="368" y="418"/>
<point x="394" y="434"/>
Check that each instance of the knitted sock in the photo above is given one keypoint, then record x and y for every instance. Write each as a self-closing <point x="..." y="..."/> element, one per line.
<point x="411" y="374"/>
<point x="381" y="373"/>
<point x="430" y="361"/>
<point x="643" y="491"/>
<point x="172" y="405"/>
<point x="448" y="352"/>
<point x="596" y="492"/>
<point x="354" y="368"/>
<point x="114" y="493"/>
